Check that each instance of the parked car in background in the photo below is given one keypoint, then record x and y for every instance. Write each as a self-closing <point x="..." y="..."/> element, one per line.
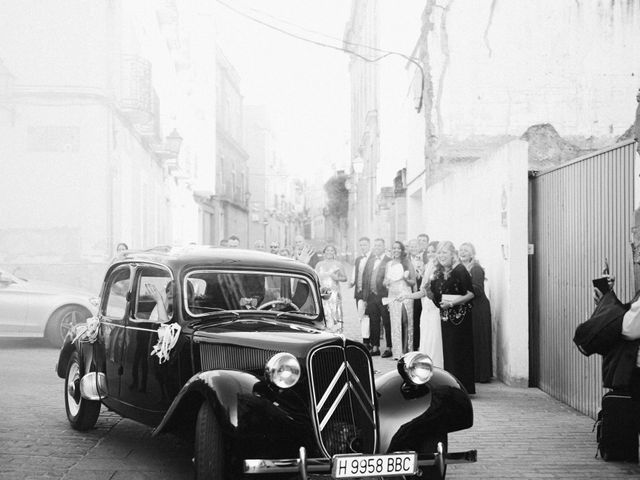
<point x="229" y="349"/>
<point x="30" y="308"/>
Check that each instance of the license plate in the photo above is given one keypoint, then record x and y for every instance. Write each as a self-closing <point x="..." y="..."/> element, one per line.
<point x="357" y="466"/>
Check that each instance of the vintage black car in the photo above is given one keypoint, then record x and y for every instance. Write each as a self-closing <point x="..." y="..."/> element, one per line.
<point x="234" y="355"/>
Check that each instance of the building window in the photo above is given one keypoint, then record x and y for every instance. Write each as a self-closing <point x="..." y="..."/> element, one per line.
<point x="53" y="138"/>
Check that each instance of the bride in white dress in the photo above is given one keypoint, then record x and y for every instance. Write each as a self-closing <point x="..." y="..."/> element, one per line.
<point x="399" y="279"/>
<point x="430" y="328"/>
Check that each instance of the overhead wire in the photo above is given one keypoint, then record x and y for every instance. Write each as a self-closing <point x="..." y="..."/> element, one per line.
<point x="322" y="34"/>
<point x="386" y="53"/>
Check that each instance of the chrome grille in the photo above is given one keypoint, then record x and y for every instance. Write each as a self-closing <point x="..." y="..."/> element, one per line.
<point x="343" y="396"/>
<point x="213" y="356"/>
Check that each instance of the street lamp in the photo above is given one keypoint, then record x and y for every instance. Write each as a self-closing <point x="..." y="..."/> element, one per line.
<point x="173" y="142"/>
<point x="170" y="148"/>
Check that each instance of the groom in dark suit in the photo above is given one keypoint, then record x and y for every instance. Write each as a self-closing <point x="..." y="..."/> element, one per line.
<point x="358" y="275"/>
<point x="374" y="290"/>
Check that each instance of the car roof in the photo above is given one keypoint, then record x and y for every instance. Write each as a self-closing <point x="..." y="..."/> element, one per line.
<point x="179" y="258"/>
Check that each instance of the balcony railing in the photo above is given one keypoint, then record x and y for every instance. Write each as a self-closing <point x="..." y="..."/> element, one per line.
<point x="135" y="93"/>
<point x="151" y="129"/>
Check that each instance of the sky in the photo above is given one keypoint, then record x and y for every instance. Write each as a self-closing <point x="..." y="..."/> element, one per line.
<point x="304" y="87"/>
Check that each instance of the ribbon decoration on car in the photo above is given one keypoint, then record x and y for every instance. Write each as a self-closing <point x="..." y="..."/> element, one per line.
<point x="167" y="338"/>
<point x="89" y="331"/>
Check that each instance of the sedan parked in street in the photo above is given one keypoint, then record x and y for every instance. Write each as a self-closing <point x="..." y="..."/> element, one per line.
<point x="230" y="349"/>
<point x="30" y="308"/>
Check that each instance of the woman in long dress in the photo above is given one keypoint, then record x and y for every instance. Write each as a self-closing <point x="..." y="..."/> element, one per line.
<point x="399" y="279"/>
<point x="331" y="273"/>
<point x="452" y="292"/>
<point x="430" y="329"/>
<point x="480" y="314"/>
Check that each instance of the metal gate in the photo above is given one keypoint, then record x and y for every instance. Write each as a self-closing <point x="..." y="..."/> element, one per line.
<point x="580" y="213"/>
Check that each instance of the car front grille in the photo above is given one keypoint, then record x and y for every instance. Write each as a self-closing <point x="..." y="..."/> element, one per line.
<point x="343" y="395"/>
<point x="234" y="357"/>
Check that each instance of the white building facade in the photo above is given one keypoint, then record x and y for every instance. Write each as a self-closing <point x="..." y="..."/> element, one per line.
<point x="91" y="91"/>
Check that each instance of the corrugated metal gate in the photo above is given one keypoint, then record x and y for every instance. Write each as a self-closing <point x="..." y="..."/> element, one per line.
<point x="581" y="212"/>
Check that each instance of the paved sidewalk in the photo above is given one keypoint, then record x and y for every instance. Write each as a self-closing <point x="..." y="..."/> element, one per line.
<point x="524" y="433"/>
<point x="520" y="433"/>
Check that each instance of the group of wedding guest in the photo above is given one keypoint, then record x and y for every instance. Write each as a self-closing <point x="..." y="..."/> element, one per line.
<point x="453" y="325"/>
<point x="455" y="321"/>
<point x="444" y="284"/>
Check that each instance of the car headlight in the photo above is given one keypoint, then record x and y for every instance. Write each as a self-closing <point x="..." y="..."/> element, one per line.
<point x="283" y="370"/>
<point x="416" y="367"/>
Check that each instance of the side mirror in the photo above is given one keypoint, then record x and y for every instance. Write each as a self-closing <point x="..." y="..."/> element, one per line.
<point x="325" y="293"/>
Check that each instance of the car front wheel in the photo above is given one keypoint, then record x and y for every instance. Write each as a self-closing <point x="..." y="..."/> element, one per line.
<point x="82" y="413"/>
<point x="209" y="450"/>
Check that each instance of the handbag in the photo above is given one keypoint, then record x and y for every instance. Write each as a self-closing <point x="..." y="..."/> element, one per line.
<point x="455" y="314"/>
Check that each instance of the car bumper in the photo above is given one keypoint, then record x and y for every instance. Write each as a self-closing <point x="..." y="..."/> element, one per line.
<point x="304" y="465"/>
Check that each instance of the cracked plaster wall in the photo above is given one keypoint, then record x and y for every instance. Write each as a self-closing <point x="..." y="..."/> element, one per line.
<point x="508" y="65"/>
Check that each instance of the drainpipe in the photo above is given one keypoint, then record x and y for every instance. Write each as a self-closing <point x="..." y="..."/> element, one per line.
<point x="635" y="228"/>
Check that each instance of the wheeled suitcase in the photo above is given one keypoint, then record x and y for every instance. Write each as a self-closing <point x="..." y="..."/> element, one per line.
<point x="616" y="428"/>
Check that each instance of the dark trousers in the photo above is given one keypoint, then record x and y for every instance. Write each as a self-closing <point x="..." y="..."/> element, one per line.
<point x="377" y="313"/>
<point x="634" y="391"/>
<point x="417" y="311"/>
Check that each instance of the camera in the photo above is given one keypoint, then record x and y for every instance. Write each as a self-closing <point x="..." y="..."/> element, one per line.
<point x="602" y="283"/>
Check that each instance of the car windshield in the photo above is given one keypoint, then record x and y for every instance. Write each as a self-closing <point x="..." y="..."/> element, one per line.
<point x="207" y="292"/>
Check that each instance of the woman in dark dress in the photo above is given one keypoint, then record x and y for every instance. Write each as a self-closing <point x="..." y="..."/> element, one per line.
<point x="480" y="313"/>
<point x="452" y="292"/>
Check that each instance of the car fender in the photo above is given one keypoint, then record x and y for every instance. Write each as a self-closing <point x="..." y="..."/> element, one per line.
<point x="85" y="350"/>
<point x="411" y="416"/>
<point x="221" y="388"/>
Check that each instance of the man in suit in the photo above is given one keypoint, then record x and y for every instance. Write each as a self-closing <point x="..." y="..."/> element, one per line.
<point x="423" y="243"/>
<point x="373" y="287"/>
<point x="365" y="252"/>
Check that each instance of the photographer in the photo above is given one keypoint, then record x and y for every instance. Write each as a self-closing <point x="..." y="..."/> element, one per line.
<point x="621" y="366"/>
<point x="613" y="331"/>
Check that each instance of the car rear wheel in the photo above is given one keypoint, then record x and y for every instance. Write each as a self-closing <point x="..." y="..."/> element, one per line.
<point x="208" y="447"/>
<point x="63" y="320"/>
<point x="82" y="413"/>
